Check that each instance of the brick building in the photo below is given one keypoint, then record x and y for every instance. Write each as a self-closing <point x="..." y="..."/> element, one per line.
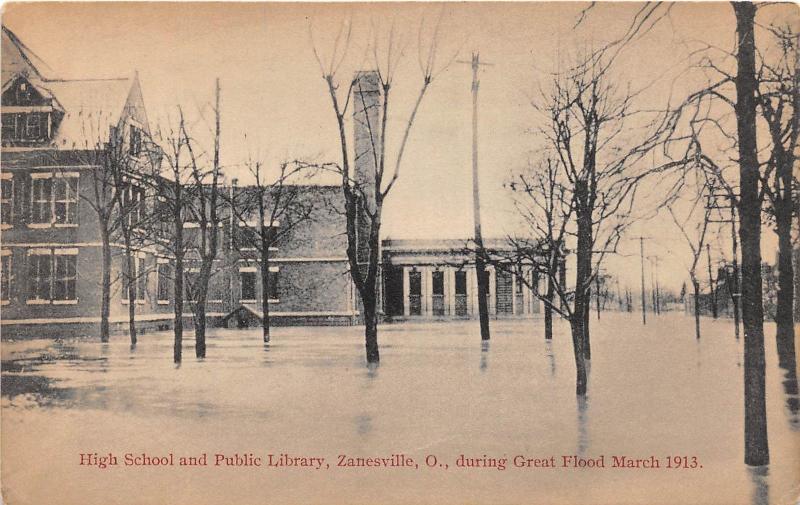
<point x="54" y="138"/>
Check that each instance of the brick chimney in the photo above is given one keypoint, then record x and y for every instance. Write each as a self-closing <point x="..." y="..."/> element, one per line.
<point x="367" y="146"/>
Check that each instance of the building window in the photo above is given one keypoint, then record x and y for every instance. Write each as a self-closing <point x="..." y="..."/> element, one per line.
<point x="190" y="283"/>
<point x="248" y="280"/>
<point x="273" y="283"/>
<point x="9" y="126"/>
<point x="54" y="199"/>
<point x="134" y="203"/>
<point x="65" y="202"/>
<point x="25" y="127"/>
<point x="65" y="277"/>
<point x="6" y="200"/>
<point x="33" y="125"/>
<point x="52" y="275"/>
<point x="139" y="279"/>
<point x="135" y="145"/>
<point x="6" y="276"/>
<point x="41" y="196"/>
<point x="164" y="277"/>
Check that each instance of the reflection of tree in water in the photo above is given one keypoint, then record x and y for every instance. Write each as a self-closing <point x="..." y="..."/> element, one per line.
<point x="787" y="361"/>
<point x="551" y="358"/>
<point x="583" y="433"/>
<point x="759" y="476"/>
<point x="484" y="355"/>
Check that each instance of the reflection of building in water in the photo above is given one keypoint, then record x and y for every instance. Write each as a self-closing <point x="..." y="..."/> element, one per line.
<point x="436" y="278"/>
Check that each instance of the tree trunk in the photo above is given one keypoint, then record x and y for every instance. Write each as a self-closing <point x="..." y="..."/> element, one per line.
<point x="583" y="264"/>
<point x="265" y="288"/>
<point x="368" y="299"/>
<point x="548" y="307"/>
<point x="576" y="324"/>
<point x="200" y="327"/>
<point x="131" y="273"/>
<point x="733" y="286"/>
<point x="783" y="315"/>
<point x="105" y="302"/>
<point x="483" y="281"/>
<point x="711" y="284"/>
<point x="696" y="287"/>
<point x="178" y="345"/>
<point x="756" y="451"/>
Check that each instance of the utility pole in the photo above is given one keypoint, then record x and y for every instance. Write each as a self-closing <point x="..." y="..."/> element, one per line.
<point x="654" y="284"/>
<point x="711" y="284"/>
<point x="644" y="293"/>
<point x="480" y="263"/>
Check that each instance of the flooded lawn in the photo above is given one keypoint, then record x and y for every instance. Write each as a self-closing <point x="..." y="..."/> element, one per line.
<point x="438" y="399"/>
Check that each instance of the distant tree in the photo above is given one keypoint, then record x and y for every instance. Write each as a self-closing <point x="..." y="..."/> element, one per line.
<point x="543" y="203"/>
<point x="279" y="206"/>
<point x="692" y="217"/>
<point x="778" y="97"/>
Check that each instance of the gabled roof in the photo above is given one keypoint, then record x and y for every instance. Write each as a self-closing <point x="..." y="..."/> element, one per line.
<point x="91" y="107"/>
<point x="19" y="59"/>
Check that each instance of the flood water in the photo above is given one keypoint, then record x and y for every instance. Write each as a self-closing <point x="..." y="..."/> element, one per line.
<point x="655" y="393"/>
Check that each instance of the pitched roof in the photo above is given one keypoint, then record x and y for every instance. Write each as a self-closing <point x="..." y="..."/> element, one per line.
<point x="19" y="59"/>
<point x="91" y="107"/>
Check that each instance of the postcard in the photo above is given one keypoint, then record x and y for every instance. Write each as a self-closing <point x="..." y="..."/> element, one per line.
<point x="400" y="253"/>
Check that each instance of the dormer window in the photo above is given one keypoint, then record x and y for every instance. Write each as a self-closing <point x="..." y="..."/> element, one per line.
<point x="25" y="127"/>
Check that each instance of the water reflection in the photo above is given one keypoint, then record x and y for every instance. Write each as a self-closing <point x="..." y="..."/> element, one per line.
<point x="551" y="358"/>
<point x="583" y="416"/>
<point x="759" y="476"/>
<point x="787" y="361"/>
<point x="363" y="424"/>
<point x="484" y="355"/>
<point x="372" y="370"/>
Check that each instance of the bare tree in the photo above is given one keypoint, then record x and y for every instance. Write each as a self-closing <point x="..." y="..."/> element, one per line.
<point x="207" y="203"/>
<point x="546" y="209"/>
<point x="171" y="209"/>
<point x="779" y="101"/>
<point x="693" y="223"/>
<point x="600" y="139"/>
<point x="756" y="444"/>
<point x="279" y="207"/>
<point x="365" y="181"/>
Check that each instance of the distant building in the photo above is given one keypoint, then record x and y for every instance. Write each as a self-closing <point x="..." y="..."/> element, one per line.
<point x="437" y="279"/>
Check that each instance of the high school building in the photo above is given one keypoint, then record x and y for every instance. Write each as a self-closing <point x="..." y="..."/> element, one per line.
<point x="53" y="136"/>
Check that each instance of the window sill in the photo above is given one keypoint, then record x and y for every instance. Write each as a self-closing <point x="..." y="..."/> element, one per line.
<point x="274" y="300"/>
<point x="65" y="225"/>
<point x="5" y="226"/>
<point x="213" y="301"/>
<point x="248" y="301"/>
<point x="138" y="302"/>
<point x="65" y="302"/>
<point x="37" y="302"/>
<point x="5" y="302"/>
<point x="39" y="225"/>
<point x="163" y="302"/>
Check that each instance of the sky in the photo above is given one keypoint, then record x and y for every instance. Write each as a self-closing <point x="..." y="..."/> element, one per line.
<point x="275" y="105"/>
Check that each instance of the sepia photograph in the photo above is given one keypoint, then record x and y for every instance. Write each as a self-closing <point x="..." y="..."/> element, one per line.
<point x="334" y="253"/>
